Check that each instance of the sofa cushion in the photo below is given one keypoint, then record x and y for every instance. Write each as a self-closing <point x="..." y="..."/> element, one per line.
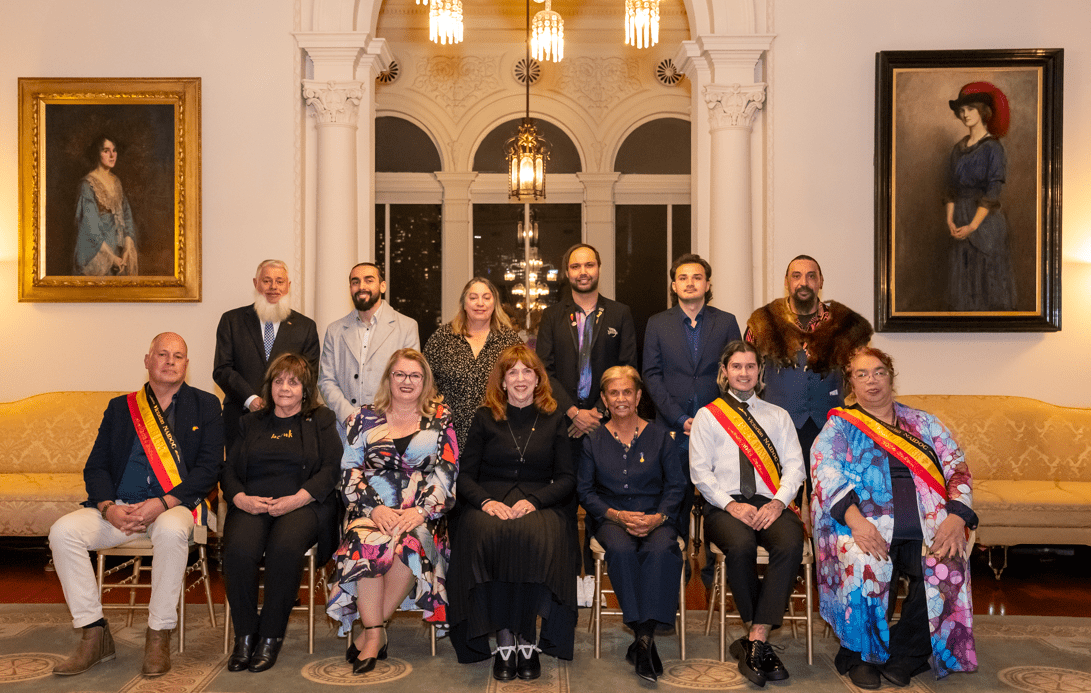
<point x="51" y="432"/>
<point x="1033" y="503"/>
<point x="31" y="503"/>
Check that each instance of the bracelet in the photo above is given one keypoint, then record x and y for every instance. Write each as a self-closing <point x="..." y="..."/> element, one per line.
<point x="164" y="502"/>
<point x="484" y="502"/>
<point x="106" y="507"/>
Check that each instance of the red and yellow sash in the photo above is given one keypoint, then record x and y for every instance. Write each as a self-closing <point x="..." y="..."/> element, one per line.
<point x="751" y="438"/>
<point x="908" y="448"/>
<point x="160" y="445"/>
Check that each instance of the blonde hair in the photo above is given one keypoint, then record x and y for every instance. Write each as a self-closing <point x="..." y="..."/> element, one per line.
<point x="498" y="319"/>
<point x="619" y="372"/>
<point x="429" y="396"/>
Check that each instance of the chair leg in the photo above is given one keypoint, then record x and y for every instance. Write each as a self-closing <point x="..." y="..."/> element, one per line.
<point x="682" y="614"/>
<point x="809" y="605"/>
<point x="182" y="619"/>
<point x="432" y="637"/>
<point x="596" y="608"/>
<point x="310" y="604"/>
<point x="138" y="563"/>
<point x="792" y="612"/>
<point x="202" y="558"/>
<point x="721" y="583"/>
<point x="227" y="624"/>
<point x="712" y="597"/>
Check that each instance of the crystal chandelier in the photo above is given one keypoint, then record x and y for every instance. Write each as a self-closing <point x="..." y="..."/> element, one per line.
<point x="641" y="23"/>
<point x="444" y="20"/>
<point x="527" y="152"/>
<point x="547" y="40"/>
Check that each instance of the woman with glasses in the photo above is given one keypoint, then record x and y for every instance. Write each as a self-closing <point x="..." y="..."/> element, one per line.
<point x="892" y="498"/>
<point x="398" y="480"/>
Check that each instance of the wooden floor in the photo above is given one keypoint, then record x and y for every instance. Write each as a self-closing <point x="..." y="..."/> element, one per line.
<point x="1039" y="581"/>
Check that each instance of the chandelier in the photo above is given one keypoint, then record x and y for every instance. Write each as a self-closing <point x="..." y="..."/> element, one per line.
<point x="444" y="20"/>
<point x="527" y="152"/>
<point x="641" y="23"/>
<point x="547" y="40"/>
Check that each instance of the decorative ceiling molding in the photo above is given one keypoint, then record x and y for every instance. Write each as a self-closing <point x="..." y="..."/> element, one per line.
<point x="599" y="84"/>
<point x="457" y="83"/>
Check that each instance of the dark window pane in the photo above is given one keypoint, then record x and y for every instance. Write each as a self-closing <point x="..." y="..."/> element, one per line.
<point x="642" y="264"/>
<point x="380" y="236"/>
<point x="499" y="254"/>
<point x="661" y="146"/>
<point x="490" y="156"/>
<point x="402" y="147"/>
<point x="414" y="285"/>
<point x="681" y="237"/>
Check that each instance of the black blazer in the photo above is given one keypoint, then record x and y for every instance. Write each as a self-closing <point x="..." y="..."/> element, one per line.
<point x="198" y="429"/>
<point x="322" y="452"/>
<point x="240" y="363"/>
<point x="671" y="375"/>
<point x="613" y="344"/>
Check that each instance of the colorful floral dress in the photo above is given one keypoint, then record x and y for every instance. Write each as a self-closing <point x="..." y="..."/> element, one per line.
<point x="374" y="473"/>
<point x="854" y="588"/>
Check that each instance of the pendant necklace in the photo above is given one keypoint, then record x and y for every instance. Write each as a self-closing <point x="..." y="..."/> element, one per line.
<point x="636" y="432"/>
<point x="529" y="435"/>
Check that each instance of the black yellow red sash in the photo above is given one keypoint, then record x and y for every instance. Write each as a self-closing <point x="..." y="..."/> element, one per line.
<point x="160" y="445"/>
<point x="908" y="448"/>
<point x="751" y="438"/>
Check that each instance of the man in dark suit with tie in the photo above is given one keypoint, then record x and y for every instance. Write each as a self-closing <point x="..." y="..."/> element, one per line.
<point x="682" y="349"/>
<point x="248" y="338"/>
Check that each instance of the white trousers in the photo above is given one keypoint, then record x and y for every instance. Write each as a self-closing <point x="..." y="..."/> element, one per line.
<point x="75" y="535"/>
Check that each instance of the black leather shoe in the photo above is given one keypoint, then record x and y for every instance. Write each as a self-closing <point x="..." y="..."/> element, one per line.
<point x="244" y="650"/>
<point x="737" y="649"/>
<point x="751" y="663"/>
<point x="630" y="654"/>
<point x="900" y="671"/>
<point x="657" y="663"/>
<point x="865" y="676"/>
<point x="503" y="667"/>
<point x="772" y="667"/>
<point x="530" y="667"/>
<point x="265" y="654"/>
<point x="643" y="656"/>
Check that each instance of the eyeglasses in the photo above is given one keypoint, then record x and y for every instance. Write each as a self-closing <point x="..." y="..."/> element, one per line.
<point x="864" y="376"/>
<point x="400" y="377"/>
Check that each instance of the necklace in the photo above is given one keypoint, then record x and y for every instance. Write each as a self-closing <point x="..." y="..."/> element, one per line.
<point x="636" y="432"/>
<point x="516" y="440"/>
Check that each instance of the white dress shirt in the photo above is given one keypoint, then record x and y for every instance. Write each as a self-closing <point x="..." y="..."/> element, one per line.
<point x="714" y="457"/>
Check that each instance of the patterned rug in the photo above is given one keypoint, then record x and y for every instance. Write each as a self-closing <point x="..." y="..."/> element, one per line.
<point x="1016" y="653"/>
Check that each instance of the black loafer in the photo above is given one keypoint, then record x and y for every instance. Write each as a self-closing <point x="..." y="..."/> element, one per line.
<point x="265" y="654"/>
<point x="657" y="663"/>
<point x="865" y="676"/>
<point x="244" y="650"/>
<point x="772" y="667"/>
<point x="751" y="664"/>
<point x="503" y="668"/>
<point x="643" y="656"/>
<point x="530" y="667"/>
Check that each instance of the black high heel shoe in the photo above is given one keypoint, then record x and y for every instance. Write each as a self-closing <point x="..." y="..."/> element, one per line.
<point x="353" y="652"/>
<point x="362" y="666"/>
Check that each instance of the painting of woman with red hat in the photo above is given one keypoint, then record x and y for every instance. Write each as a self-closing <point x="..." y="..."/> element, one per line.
<point x="981" y="276"/>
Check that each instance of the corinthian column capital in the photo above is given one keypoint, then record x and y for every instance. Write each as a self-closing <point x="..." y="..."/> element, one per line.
<point x="734" y="105"/>
<point x="333" y="103"/>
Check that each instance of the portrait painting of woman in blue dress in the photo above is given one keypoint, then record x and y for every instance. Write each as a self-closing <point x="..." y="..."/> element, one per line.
<point x="105" y="233"/>
<point x="981" y="276"/>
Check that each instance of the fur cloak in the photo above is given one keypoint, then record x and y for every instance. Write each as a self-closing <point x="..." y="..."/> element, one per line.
<point x="774" y="331"/>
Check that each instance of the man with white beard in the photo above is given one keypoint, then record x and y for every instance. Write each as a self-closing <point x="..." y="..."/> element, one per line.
<point x="250" y="337"/>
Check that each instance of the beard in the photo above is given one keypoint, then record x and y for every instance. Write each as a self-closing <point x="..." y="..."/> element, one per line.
<point x="589" y="290"/>
<point x="364" y="305"/>
<point x="272" y="312"/>
<point x="810" y="301"/>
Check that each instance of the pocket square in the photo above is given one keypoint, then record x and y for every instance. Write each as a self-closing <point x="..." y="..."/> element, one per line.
<point x="611" y="331"/>
<point x="196" y="427"/>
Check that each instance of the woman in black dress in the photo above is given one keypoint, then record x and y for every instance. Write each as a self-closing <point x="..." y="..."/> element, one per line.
<point x="513" y="557"/>
<point x="279" y="481"/>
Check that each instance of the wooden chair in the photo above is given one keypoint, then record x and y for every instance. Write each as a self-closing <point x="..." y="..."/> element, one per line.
<point x="314" y="578"/>
<point x="136" y="551"/>
<point x="718" y="595"/>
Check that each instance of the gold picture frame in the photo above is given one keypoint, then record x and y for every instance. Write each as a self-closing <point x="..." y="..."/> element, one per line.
<point x="109" y="190"/>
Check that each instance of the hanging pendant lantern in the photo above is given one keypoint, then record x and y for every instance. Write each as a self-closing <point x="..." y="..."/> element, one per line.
<point x="641" y="23"/>
<point x="547" y="37"/>
<point x="444" y="20"/>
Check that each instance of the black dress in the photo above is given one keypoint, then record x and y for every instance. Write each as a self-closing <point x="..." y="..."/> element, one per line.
<point x="504" y="574"/>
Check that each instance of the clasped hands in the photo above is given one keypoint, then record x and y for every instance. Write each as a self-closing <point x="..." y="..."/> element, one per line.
<point x="585" y="421"/>
<point x="506" y="512"/>
<point x="259" y="505"/>
<point x="636" y="523"/>
<point x="395" y="521"/>
<point x="756" y="519"/>
<point x="135" y="518"/>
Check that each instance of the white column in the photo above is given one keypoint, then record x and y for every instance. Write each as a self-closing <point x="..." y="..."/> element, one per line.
<point x="731" y="117"/>
<point x="458" y="249"/>
<point x="334" y="106"/>
<point x="598" y="224"/>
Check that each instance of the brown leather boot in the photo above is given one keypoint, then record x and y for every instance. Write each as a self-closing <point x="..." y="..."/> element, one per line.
<point x="156" y="652"/>
<point x="96" y="645"/>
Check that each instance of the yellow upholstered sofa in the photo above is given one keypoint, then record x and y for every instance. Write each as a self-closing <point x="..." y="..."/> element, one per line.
<point x="1031" y="465"/>
<point x="44" y="443"/>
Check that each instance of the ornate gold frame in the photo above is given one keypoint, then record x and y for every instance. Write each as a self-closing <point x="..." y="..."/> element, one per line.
<point x="183" y="284"/>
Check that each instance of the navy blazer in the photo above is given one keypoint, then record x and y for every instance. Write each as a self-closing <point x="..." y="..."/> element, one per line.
<point x="613" y="344"/>
<point x="198" y="429"/>
<point x="239" y="365"/>
<point x="671" y="374"/>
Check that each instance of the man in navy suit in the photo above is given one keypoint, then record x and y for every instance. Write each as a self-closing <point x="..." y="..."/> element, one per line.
<point x="250" y="337"/>
<point x="682" y="348"/>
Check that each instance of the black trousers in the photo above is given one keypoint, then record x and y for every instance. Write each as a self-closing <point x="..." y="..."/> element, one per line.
<point x="910" y="637"/>
<point x="644" y="571"/>
<point x="758" y="601"/>
<point x="282" y="541"/>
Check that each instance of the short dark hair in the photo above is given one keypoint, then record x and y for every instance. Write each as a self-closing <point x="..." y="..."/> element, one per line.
<point x="690" y="259"/>
<point x="292" y="364"/>
<point x="378" y="268"/>
<point x="740" y="346"/>
<point x="568" y="254"/>
<point x="803" y="257"/>
<point x="884" y="358"/>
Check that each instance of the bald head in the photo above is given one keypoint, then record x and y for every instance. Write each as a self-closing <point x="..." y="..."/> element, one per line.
<point x="167" y="360"/>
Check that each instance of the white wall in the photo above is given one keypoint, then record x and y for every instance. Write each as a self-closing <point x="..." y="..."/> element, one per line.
<point x="249" y="95"/>
<point x="823" y="91"/>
